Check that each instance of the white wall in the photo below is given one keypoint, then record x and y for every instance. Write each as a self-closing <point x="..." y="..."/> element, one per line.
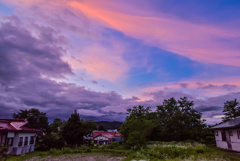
<point x="15" y="149"/>
<point x="235" y="142"/>
<point x="219" y="142"/>
<point x="101" y="138"/>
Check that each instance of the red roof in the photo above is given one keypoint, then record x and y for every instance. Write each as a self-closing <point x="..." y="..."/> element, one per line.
<point x="16" y="125"/>
<point x="106" y="134"/>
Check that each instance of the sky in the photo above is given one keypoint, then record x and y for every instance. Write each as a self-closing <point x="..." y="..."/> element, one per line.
<point x="103" y="57"/>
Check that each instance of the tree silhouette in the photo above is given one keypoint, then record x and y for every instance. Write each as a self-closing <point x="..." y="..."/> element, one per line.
<point x="72" y="131"/>
<point x="231" y="110"/>
<point x="35" y="118"/>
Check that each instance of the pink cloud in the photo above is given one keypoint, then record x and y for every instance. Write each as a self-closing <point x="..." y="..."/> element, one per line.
<point x="198" y="42"/>
<point x="100" y="62"/>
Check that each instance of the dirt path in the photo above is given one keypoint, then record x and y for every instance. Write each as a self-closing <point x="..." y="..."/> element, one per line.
<point x="79" y="157"/>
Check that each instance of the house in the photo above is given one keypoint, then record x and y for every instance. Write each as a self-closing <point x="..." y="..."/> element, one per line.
<point x="18" y="135"/>
<point x="105" y="138"/>
<point x="227" y="135"/>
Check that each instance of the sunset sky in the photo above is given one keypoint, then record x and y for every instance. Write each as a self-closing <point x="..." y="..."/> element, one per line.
<point x="102" y="57"/>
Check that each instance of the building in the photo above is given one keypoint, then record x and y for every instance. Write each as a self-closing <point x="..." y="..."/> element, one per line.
<point x="18" y="135"/>
<point x="105" y="138"/>
<point x="227" y="135"/>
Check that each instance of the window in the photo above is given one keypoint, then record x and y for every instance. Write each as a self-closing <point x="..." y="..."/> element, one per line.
<point x="230" y="133"/>
<point x="26" y="141"/>
<point x="10" y="142"/>
<point x="20" y="143"/>
<point x="32" y="140"/>
<point x="216" y="133"/>
<point x="238" y="134"/>
<point x="223" y="136"/>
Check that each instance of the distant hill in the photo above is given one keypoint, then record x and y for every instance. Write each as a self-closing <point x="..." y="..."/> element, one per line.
<point x="109" y="125"/>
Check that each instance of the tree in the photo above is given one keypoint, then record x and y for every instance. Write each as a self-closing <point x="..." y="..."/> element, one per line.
<point x="72" y="131"/>
<point x="231" y="110"/>
<point x="35" y="118"/>
<point x="179" y="121"/>
<point x="101" y="128"/>
<point x="137" y="127"/>
<point x="88" y="127"/>
<point x="51" y="140"/>
<point x="56" y="125"/>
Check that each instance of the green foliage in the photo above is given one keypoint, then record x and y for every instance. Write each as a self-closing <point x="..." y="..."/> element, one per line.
<point x="178" y="152"/>
<point x="174" y="120"/>
<point x="3" y="152"/>
<point x="231" y="110"/>
<point x="35" y="118"/>
<point x="179" y="121"/>
<point x="72" y="131"/>
<point x="165" y="151"/>
<point x="56" y="125"/>
<point x="88" y="127"/>
<point x="110" y="125"/>
<point x="101" y="128"/>
<point x="51" y="140"/>
<point x="137" y="127"/>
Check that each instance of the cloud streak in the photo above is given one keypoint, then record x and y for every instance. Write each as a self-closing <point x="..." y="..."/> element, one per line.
<point x="58" y="55"/>
<point x="197" y="41"/>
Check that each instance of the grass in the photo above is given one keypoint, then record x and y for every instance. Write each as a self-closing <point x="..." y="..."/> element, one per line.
<point x="170" y="151"/>
<point x="174" y="151"/>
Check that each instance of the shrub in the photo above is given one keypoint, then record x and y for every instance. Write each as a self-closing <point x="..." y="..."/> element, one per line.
<point x="4" y="152"/>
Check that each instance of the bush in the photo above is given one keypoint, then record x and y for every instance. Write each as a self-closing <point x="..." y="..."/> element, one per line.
<point x="49" y="141"/>
<point x="3" y="152"/>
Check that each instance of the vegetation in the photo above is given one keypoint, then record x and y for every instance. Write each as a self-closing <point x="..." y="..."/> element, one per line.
<point x="101" y="128"/>
<point x="169" y="133"/>
<point x="72" y="131"/>
<point x="35" y="118"/>
<point x="137" y="127"/>
<point x="56" y="125"/>
<point x="109" y="125"/>
<point x="3" y="152"/>
<point x="165" y="151"/>
<point x="231" y="110"/>
<point x="172" y="121"/>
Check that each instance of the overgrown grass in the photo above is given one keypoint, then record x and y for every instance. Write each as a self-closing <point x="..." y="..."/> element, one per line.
<point x="68" y="150"/>
<point x="174" y="151"/>
<point x="171" y="151"/>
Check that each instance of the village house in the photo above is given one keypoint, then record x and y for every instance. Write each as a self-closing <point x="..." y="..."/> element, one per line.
<point x="227" y="135"/>
<point x="18" y="135"/>
<point x="105" y="138"/>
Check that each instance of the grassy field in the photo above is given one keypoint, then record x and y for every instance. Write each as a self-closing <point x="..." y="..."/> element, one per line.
<point x="171" y="151"/>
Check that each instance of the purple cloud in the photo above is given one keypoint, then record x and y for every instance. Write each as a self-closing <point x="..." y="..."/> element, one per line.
<point x="94" y="82"/>
<point x="27" y="66"/>
<point x="227" y="87"/>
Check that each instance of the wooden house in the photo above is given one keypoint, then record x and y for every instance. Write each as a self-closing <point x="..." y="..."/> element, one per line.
<point x="105" y="138"/>
<point x="17" y="135"/>
<point x="227" y="135"/>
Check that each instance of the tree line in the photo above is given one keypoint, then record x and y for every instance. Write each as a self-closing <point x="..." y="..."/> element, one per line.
<point x="59" y="133"/>
<point x="174" y="120"/>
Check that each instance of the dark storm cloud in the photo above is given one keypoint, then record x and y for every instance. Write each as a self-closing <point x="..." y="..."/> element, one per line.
<point x="23" y="55"/>
<point x="28" y="62"/>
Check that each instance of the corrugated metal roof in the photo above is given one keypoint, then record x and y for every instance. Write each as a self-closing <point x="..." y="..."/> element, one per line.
<point x="234" y="123"/>
<point x="15" y="125"/>
<point x="107" y="134"/>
